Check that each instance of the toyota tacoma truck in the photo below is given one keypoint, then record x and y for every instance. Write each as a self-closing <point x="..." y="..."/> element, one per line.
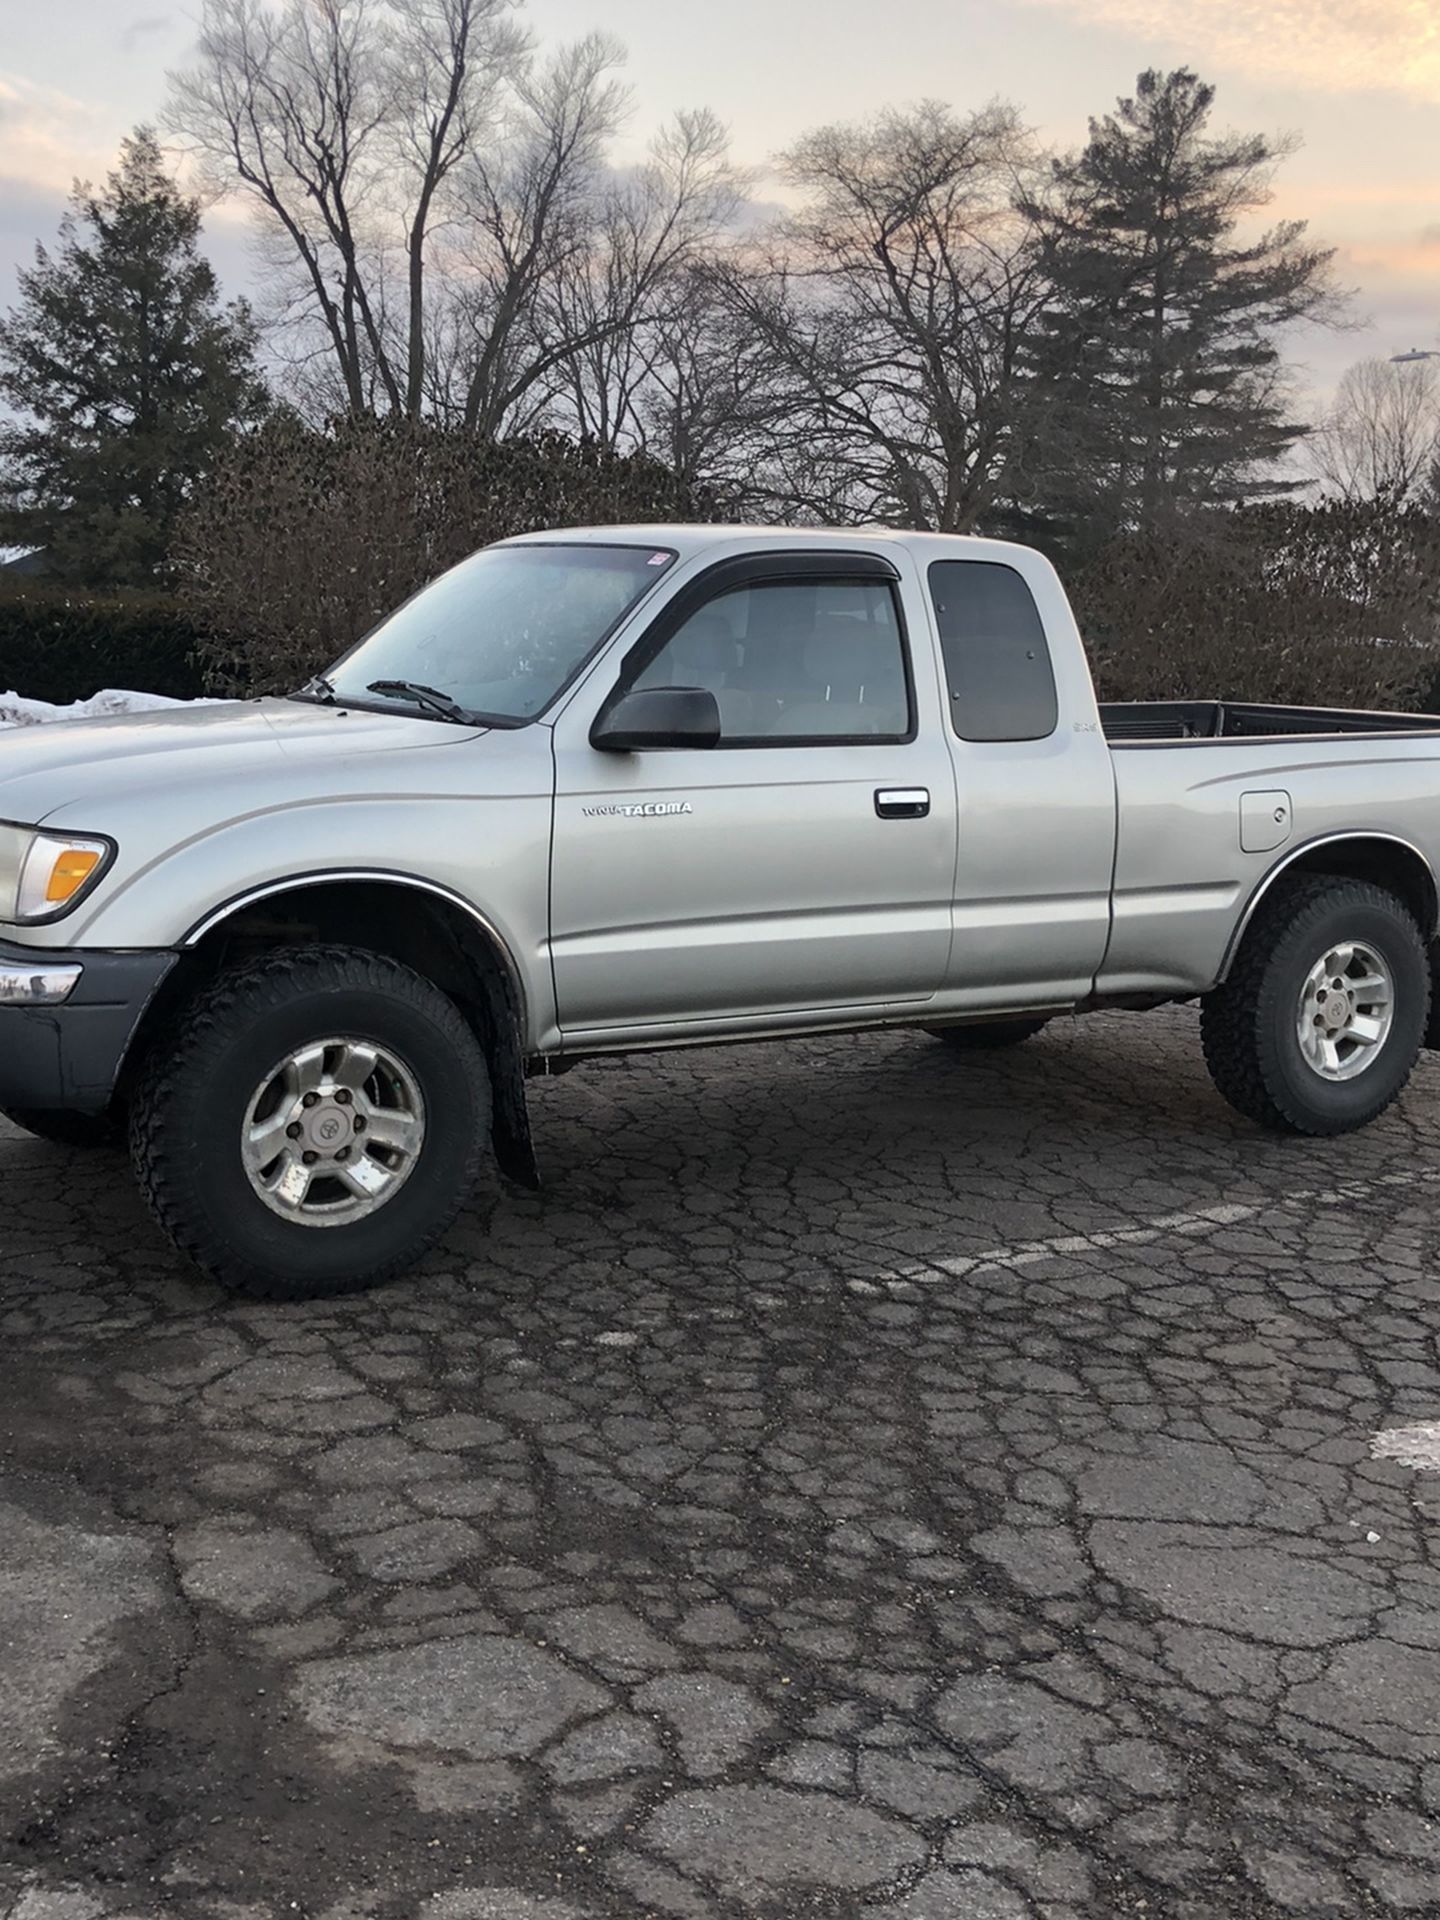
<point x="626" y="788"/>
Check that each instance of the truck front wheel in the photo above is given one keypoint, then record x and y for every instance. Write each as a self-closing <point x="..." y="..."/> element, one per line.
<point x="314" y="1125"/>
<point x="1319" y="1024"/>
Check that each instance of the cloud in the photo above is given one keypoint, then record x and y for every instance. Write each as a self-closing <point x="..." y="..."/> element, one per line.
<point x="1383" y="46"/>
<point x="1418" y="258"/>
<point x="1404" y="190"/>
<point x="49" y="136"/>
<point x="142" y="29"/>
<point x="31" y="96"/>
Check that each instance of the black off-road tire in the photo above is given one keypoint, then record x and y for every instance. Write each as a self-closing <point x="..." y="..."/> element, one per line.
<point x="989" y="1036"/>
<point x="1248" y="1025"/>
<point x="188" y="1111"/>
<point x="64" y="1128"/>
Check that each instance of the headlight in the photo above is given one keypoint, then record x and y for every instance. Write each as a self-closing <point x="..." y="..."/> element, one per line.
<point x="44" y="875"/>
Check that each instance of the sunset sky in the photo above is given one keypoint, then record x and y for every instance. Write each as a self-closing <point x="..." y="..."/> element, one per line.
<point x="1357" y="80"/>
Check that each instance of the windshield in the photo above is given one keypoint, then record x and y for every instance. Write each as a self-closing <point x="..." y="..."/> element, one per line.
<point x="498" y="636"/>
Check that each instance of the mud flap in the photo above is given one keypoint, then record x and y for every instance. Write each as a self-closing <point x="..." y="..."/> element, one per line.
<point x="510" y="1138"/>
<point x="510" y="1125"/>
<point x="1431" y="1042"/>
<point x="492" y="1007"/>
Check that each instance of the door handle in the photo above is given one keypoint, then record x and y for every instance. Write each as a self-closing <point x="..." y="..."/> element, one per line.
<point x="902" y="803"/>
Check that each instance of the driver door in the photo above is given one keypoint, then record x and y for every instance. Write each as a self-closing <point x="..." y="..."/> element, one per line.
<point x="802" y="865"/>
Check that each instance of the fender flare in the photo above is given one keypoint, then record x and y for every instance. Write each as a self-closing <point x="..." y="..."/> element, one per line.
<point x="504" y="1008"/>
<point x="1297" y="854"/>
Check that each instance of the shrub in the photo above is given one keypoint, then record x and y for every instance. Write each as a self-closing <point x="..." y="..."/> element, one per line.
<point x="61" y="644"/>
<point x="1335" y="605"/>
<point x="302" y="539"/>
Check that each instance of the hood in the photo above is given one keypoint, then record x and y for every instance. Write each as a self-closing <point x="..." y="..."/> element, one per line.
<point x="46" y="768"/>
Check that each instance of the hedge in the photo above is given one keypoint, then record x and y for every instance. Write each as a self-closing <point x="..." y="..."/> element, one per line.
<point x="60" y="644"/>
<point x="301" y="539"/>
<point x="1336" y="604"/>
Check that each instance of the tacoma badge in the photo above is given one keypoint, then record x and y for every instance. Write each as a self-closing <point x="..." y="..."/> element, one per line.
<point x="646" y="809"/>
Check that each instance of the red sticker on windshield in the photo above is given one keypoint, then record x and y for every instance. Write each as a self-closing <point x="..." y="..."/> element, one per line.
<point x="657" y="559"/>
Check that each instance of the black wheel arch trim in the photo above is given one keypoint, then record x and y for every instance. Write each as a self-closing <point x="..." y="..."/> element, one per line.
<point x="1353" y="837"/>
<point x="330" y="876"/>
<point x="511" y="1137"/>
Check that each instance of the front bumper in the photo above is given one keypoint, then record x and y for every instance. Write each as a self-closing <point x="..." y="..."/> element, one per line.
<point x="67" y="1017"/>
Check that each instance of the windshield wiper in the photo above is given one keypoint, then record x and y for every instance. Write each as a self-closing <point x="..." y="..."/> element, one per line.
<point x="317" y="687"/>
<point x="423" y="696"/>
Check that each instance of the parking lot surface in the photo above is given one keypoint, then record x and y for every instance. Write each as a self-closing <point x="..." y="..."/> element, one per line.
<point x="868" y="1481"/>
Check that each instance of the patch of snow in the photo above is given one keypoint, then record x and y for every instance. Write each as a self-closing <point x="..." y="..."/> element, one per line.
<point x="17" y="711"/>
<point x="1417" y="1446"/>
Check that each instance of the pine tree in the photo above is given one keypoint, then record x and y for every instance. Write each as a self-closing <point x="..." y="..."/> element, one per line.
<point x="124" y="375"/>
<point x="1430" y="489"/>
<point x="1155" y="372"/>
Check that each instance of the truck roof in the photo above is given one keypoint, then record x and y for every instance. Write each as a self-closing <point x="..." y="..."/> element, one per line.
<point x="688" y="539"/>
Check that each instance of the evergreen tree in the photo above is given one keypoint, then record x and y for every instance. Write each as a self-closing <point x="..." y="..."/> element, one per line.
<point x="1430" y="489"/>
<point x="1155" y="369"/>
<point x="123" y="374"/>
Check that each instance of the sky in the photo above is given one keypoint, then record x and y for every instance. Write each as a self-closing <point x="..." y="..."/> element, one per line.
<point x="1358" y="81"/>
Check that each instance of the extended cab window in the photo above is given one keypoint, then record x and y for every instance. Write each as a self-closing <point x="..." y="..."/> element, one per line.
<point x="997" y="662"/>
<point x="800" y="661"/>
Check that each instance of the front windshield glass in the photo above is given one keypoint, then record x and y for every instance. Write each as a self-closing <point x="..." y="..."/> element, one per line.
<point x="500" y="634"/>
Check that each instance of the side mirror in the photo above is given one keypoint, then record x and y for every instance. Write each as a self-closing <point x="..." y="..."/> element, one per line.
<point x="658" y="717"/>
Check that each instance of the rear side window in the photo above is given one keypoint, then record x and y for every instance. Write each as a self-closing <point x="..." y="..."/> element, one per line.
<point x="997" y="663"/>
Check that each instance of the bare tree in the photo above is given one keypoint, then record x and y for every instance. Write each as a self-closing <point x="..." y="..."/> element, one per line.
<point x="448" y="58"/>
<point x="1381" y="439"/>
<point x="529" y="209"/>
<point x="658" y="226"/>
<point x="706" y="408"/>
<point x="443" y="228"/>
<point x="890" y="308"/>
<point x="345" y="121"/>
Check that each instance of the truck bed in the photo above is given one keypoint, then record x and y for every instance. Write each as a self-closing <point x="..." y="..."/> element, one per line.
<point x="1144" y="722"/>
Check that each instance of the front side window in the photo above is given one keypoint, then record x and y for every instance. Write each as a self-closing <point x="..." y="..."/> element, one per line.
<point x="796" y="661"/>
<point x="997" y="662"/>
<point x="501" y="634"/>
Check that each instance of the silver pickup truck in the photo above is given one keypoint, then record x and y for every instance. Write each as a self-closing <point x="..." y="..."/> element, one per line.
<point x="617" y="789"/>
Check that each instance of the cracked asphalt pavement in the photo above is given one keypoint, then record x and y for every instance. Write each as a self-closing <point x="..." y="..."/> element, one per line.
<point x="869" y="1481"/>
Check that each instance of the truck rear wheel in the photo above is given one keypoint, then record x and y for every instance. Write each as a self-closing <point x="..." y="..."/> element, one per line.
<point x="1319" y="1025"/>
<point x="315" y="1124"/>
<point x="989" y="1035"/>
